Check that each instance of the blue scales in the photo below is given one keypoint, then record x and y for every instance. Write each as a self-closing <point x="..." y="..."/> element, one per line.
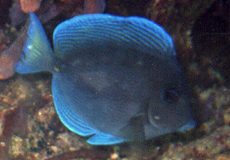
<point x="115" y="79"/>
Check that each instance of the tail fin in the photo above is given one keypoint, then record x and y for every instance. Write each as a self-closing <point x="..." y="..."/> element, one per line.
<point x="37" y="53"/>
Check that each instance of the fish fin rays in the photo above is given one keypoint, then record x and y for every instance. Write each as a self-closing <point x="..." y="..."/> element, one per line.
<point x="70" y="119"/>
<point x="102" y="138"/>
<point x="104" y="32"/>
<point x="37" y="52"/>
<point x="134" y="131"/>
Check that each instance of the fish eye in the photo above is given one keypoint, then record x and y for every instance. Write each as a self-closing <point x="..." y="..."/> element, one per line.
<point x="170" y="95"/>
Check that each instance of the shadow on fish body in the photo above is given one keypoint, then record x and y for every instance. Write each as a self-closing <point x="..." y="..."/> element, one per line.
<point x="115" y="79"/>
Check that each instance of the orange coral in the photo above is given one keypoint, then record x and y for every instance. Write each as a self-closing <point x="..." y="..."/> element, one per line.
<point x="30" y="5"/>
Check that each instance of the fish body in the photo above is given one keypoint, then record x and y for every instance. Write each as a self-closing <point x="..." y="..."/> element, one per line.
<point x="115" y="79"/>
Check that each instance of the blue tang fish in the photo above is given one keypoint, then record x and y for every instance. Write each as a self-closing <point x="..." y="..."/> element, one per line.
<point x="115" y="79"/>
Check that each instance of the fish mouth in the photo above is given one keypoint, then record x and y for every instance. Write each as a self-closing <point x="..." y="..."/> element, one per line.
<point x="190" y="125"/>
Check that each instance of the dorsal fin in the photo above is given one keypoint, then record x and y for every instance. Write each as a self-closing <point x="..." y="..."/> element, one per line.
<point x="92" y="33"/>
